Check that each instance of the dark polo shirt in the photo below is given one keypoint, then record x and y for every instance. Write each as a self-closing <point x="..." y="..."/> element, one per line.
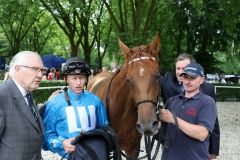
<point x="171" y="87"/>
<point x="198" y="110"/>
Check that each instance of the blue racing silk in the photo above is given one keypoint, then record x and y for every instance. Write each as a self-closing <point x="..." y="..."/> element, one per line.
<point x="62" y="121"/>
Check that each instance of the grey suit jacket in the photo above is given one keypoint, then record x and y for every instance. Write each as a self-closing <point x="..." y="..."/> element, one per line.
<point x="20" y="135"/>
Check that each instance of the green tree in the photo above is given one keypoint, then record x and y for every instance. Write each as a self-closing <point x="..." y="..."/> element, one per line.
<point x="16" y="19"/>
<point x="3" y="45"/>
<point x="199" y="28"/>
<point x="132" y="19"/>
<point x="66" y="16"/>
<point x="77" y="20"/>
<point x="39" y="34"/>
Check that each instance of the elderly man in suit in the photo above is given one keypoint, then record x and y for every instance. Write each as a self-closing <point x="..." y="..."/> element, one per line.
<point x="21" y="127"/>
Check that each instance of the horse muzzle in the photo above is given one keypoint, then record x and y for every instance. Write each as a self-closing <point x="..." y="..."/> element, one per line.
<point x="147" y="129"/>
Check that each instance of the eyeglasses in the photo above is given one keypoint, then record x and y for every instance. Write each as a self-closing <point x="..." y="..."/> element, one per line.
<point x="35" y="69"/>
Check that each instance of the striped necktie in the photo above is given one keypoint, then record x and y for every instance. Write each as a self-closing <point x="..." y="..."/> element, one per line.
<point x="31" y="105"/>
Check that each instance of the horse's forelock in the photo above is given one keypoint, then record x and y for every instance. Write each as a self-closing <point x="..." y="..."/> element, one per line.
<point x="142" y="51"/>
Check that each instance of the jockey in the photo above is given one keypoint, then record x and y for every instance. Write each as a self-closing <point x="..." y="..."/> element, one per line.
<point x="75" y="110"/>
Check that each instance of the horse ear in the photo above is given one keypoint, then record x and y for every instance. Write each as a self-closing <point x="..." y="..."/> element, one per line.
<point x="124" y="49"/>
<point x="155" y="44"/>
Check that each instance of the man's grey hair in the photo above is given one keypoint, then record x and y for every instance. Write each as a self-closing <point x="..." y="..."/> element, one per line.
<point x="20" y="59"/>
<point x="185" y="56"/>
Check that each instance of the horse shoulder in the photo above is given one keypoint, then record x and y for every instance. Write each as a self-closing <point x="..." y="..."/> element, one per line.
<point x="97" y="79"/>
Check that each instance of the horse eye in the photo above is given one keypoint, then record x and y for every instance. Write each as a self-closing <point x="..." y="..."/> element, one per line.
<point x="129" y="80"/>
<point x="158" y="77"/>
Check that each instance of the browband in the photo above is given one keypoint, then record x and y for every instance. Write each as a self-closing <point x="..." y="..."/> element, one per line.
<point x="140" y="58"/>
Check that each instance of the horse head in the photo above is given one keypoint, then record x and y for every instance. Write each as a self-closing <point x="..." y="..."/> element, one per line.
<point x="142" y="77"/>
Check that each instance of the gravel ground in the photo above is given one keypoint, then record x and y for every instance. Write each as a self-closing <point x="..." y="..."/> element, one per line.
<point x="229" y="119"/>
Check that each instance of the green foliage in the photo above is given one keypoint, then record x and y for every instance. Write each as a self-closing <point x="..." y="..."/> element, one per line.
<point x="57" y="43"/>
<point x="207" y="29"/>
<point x="16" y="19"/>
<point x="232" y="66"/>
<point x="3" y="44"/>
<point x="42" y="95"/>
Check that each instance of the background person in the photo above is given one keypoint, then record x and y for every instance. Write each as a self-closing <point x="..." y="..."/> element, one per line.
<point x="58" y="74"/>
<point x="21" y="127"/>
<point x="191" y="117"/>
<point x="6" y="76"/>
<point x="171" y="85"/>
<point x="65" y="120"/>
<point x="45" y="74"/>
<point x="52" y="74"/>
<point x="104" y="69"/>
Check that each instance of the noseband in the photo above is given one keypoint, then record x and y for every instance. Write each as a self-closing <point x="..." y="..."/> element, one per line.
<point x="145" y="101"/>
<point x="156" y="103"/>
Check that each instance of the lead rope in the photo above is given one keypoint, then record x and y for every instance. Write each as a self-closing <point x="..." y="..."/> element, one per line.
<point x="167" y="143"/>
<point x="159" y="106"/>
<point x="151" y="143"/>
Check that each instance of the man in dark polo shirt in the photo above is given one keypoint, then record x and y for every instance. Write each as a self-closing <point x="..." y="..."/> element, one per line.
<point x="191" y="117"/>
<point x="171" y="85"/>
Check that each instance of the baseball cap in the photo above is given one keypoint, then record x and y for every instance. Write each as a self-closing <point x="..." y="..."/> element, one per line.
<point x="193" y="70"/>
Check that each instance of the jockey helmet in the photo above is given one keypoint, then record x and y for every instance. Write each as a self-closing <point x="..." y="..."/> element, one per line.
<point x="75" y="66"/>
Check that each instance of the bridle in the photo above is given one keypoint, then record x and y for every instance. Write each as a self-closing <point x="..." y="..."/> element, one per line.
<point x="148" y="141"/>
<point x="145" y="101"/>
<point x="155" y="102"/>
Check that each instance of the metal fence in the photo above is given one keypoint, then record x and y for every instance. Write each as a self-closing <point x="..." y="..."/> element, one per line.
<point x="227" y="93"/>
<point x="215" y="87"/>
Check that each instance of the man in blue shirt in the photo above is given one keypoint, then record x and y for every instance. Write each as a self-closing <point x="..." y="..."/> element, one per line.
<point x="171" y="85"/>
<point x="191" y="117"/>
<point x="69" y="113"/>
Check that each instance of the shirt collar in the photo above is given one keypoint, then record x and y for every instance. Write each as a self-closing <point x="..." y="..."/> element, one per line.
<point x="197" y="96"/>
<point x="21" y="89"/>
<point x="73" y="95"/>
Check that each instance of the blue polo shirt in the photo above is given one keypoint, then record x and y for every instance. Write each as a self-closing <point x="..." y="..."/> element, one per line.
<point x="198" y="110"/>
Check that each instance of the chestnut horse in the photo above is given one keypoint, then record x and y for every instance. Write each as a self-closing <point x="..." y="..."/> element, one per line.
<point x="131" y="95"/>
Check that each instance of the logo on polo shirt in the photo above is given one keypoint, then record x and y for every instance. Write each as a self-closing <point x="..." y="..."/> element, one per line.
<point x="191" y="112"/>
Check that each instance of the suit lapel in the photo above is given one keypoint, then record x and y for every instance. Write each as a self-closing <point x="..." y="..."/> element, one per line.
<point x="22" y="105"/>
<point x="39" y="117"/>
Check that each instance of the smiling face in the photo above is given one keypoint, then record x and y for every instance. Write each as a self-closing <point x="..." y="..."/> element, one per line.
<point x="30" y="74"/>
<point x="76" y="82"/>
<point x="180" y="65"/>
<point x="191" y="84"/>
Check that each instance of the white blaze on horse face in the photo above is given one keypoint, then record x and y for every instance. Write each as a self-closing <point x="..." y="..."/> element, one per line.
<point x="141" y="71"/>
